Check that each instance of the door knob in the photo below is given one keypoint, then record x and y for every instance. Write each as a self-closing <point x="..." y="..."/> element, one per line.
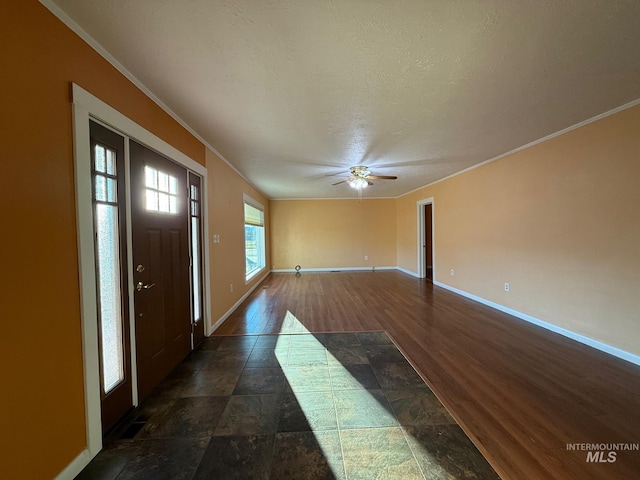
<point x="141" y="286"/>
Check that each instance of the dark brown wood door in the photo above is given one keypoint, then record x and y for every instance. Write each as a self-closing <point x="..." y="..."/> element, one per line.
<point x="195" y="226"/>
<point x="428" y="241"/>
<point x="108" y="188"/>
<point x="160" y="233"/>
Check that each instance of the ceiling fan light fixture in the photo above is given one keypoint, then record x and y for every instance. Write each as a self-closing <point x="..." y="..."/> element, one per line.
<point x="358" y="183"/>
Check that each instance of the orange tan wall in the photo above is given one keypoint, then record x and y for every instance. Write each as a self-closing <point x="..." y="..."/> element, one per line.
<point x="333" y="233"/>
<point x="42" y="419"/>
<point x="226" y="218"/>
<point x="559" y="221"/>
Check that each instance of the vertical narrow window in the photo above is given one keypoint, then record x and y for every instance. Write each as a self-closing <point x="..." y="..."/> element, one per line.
<point x="194" y="211"/>
<point x="254" y="237"/>
<point x="110" y="311"/>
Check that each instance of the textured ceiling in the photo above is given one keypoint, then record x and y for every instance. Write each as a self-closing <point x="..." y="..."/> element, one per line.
<point x="292" y="93"/>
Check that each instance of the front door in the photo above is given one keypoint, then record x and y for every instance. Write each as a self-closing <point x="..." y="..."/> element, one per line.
<point x="160" y="237"/>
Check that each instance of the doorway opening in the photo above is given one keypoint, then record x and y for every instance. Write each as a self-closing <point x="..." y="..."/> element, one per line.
<point x="426" y="251"/>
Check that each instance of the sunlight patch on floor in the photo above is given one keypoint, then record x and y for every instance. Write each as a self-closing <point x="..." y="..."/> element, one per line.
<point x="291" y="324"/>
<point x="302" y="379"/>
<point x="372" y="441"/>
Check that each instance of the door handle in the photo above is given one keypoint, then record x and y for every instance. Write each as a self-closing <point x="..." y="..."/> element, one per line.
<point x="141" y="286"/>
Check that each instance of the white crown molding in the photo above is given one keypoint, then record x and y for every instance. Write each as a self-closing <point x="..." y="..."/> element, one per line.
<point x="78" y="30"/>
<point x="531" y="144"/>
<point x="332" y="198"/>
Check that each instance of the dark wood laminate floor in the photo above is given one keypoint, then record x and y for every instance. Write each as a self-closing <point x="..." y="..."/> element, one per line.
<point x="520" y="392"/>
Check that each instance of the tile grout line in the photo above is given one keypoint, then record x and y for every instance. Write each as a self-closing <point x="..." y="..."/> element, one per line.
<point x="273" y="445"/>
<point x="413" y="453"/>
<point x="335" y="410"/>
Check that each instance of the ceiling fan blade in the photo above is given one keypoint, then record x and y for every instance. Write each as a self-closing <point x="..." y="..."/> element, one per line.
<point x="338" y="183"/>
<point x="382" y="177"/>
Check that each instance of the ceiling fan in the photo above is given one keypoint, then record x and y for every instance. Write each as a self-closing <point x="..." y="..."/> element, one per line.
<point x="360" y="176"/>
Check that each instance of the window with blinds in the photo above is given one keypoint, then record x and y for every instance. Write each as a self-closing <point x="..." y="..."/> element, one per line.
<point x="253" y="237"/>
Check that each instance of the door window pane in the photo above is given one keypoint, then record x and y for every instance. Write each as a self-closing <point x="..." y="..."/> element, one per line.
<point x="151" y="177"/>
<point x="111" y="162"/>
<point x="161" y="191"/>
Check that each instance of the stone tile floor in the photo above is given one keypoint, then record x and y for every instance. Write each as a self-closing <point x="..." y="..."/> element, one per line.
<point x="298" y="406"/>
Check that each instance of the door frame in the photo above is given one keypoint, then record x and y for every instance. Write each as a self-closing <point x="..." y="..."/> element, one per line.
<point x="86" y="107"/>
<point x="422" y="271"/>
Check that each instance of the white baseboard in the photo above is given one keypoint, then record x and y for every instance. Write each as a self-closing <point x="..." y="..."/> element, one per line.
<point x="408" y="272"/>
<point x="75" y="467"/>
<point x="336" y="269"/>
<point x="615" y="351"/>
<point x="228" y="313"/>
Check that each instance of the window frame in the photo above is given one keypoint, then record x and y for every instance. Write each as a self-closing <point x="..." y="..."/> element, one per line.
<point x="261" y="242"/>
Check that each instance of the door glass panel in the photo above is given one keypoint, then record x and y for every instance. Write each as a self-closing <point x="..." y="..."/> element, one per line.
<point x="163" y="203"/>
<point x="163" y="182"/>
<point x="173" y="204"/>
<point x="99" y="159"/>
<point x="152" y="200"/>
<point x="101" y="188"/>
<point x="110" y="314"/>
<point x="151" y="177"/>
<point x="195" y="249"/>
<point x="162" y="191"/>
<point x="109" y="295"/>
<point x="111" y="162"/>
<point x="111" y="190"/>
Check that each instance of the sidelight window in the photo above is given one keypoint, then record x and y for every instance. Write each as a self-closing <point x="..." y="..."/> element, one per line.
<point x="105" y="198"/>
<point x="194" y="202"/>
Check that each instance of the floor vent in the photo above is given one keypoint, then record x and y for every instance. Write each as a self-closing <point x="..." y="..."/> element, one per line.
<point x="133" y="429"/>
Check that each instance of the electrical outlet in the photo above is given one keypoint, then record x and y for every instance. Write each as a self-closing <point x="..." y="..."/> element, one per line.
<point x="452" y="272"/>
<point x="231" y="287"/>
<point x="506" y="286"/>
<point x="366" y="257"/>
